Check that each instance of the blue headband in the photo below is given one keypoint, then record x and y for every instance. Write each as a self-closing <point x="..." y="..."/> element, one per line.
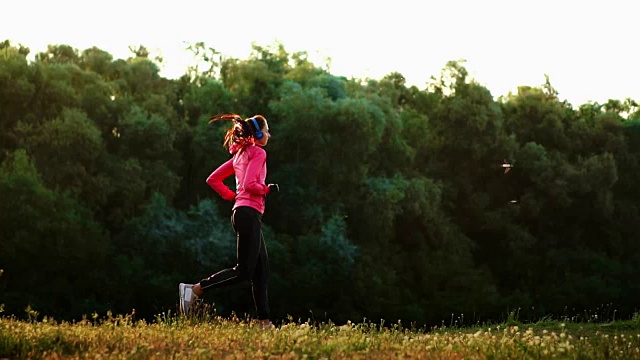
<point x="255" y="122"/>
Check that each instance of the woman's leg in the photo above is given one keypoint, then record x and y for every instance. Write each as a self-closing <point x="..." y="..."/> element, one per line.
<point x="260" y="281"/>
<point x="246" y="222"/>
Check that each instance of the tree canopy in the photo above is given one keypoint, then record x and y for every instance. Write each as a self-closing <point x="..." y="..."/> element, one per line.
<point x="394" y="203"/>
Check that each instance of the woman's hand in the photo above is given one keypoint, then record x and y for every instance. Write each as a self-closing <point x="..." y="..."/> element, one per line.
<point x="273" y="188"/>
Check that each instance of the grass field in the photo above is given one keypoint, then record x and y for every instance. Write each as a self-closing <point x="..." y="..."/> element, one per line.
<point x="211" y="337"/>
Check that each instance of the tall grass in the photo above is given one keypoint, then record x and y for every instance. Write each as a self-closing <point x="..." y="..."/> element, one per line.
<point x="207" y="336"/>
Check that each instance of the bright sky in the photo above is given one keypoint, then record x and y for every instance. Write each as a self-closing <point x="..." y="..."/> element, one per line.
<point x="588" y="48"/>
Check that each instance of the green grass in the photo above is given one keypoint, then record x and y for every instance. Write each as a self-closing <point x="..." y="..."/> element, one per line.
<point x="206" y="336"/>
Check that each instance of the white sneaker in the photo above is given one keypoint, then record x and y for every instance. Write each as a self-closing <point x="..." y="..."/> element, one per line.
<point x="186" y="297"/>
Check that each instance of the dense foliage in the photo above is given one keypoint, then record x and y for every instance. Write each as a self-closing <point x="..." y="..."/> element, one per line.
<point x="393" y="202"/>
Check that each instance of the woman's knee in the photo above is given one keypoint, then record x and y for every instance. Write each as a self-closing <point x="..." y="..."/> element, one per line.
<point x="243" y="273"/>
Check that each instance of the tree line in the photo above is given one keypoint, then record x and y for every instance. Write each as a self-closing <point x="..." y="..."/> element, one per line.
<point x="394" y="203"/>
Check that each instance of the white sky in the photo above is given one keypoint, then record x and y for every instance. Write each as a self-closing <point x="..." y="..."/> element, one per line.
<point x="588" y="48"/>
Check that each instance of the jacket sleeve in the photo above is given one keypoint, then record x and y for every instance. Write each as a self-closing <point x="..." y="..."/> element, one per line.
<point x="252" y="182"/>
<point x="215" y="180"/>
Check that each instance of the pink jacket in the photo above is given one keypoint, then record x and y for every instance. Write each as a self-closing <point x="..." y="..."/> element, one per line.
<point x="250" y="167"/>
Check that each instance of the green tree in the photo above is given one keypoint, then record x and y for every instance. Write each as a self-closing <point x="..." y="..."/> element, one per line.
<point x="96" y="61"/>
<point x="16" y="93"/>
<point x="201" y="149"/>
<point x="47" y="235"/>
<point x="149" y="139"/>
<point x="320" y="271"/>
<point x="254" y="83"/>
<point x="536" y="115"/>
<point x="59" y="54"/>
<point x="68" y="150"/>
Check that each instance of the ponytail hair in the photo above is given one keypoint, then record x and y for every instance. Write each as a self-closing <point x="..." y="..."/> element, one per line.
<point x="242" y="133"/>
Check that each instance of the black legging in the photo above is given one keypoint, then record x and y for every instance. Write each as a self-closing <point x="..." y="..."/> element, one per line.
<point x="253" y="262"/>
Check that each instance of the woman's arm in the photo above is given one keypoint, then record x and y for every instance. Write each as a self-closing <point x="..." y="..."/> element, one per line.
<point x="215" y="180"/>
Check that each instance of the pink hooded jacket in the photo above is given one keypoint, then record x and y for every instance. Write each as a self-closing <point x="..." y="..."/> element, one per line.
<point x="249" y="164"/>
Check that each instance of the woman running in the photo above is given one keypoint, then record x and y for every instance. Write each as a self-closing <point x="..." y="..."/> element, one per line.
<point x="245" y="140"/>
